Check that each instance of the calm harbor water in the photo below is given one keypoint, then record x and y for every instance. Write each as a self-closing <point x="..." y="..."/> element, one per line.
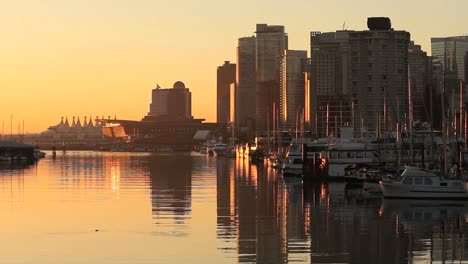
<point x="97" y="207"/>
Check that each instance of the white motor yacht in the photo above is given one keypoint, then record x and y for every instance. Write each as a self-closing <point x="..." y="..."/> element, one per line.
<point x="292" y="164"/>
<point x="424" y="184"/>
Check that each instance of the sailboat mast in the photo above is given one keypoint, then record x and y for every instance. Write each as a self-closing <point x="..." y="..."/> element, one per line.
<point x="410" y="116"/>
<point x="11" y="127"/>
<point x="444" y="136"/>
<point x="460" y="112"/>
<point x="268" y="132"/>
<point x="327" y="120"/>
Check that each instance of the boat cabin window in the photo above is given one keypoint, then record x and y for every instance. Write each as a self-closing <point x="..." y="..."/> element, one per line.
<point x="418" y="181"/>
<point x="457" y="184"/>
<point x="297" y="161"/>
<point x="359" y="155"/>
<point x="408" y="180"/>
<point x="427" y="181"/>
<point x="443" y="184"/>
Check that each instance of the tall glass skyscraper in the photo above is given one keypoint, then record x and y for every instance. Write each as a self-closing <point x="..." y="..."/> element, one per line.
<point x="292" y="87"/>
<point x="271" y="42"/>
<point x="226" y="75"/>
<point x="450" y="53"/>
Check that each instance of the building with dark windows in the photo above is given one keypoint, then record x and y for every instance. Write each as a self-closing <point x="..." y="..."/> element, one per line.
<point x="379" y="74"/>
<point x="171" y="103"/>
<point x="271" y="41"/>
<point x="246" y="80"/>
<point x="420" y="75"/>
<point x="330" y="82"/>
<point x="226" y="75"/>
<point x="291" y="107"/>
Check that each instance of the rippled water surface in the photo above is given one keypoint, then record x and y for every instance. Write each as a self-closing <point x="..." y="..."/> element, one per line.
<point x="96" y="207"/>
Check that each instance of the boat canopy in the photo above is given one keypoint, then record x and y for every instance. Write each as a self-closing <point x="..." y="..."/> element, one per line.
<point x="201" y="135"/>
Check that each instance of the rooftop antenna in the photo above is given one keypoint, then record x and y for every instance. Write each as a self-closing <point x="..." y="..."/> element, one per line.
<point x="344" y="25"/>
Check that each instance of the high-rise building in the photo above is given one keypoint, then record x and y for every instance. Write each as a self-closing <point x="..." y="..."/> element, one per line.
<point x="420" y="75"/>
<point x="226" y="74"/>
<point x="379" y="74"/>
<point x="330" y="82"/>
<point x="271" y="41"/>
<point x="171" y="103"/>
<point x="246" y="80"/>
<point x="450" y="52"/>
<point x="291" y="106"/>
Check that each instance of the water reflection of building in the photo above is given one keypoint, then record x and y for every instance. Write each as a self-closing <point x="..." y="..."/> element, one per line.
<point x="261" y="212"/>
<point x="437" y="228"/>
<point x="346" y="228"/>
<point x="171" y="188"/>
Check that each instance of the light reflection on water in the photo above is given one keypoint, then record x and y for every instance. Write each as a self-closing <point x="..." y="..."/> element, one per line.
<point x="93" y="207"/>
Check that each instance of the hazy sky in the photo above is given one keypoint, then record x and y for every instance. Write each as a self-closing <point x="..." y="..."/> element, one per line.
<point x="103" y="57"/>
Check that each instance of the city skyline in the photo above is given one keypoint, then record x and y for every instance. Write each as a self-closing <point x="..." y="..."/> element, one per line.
<point x="81" y="59"/>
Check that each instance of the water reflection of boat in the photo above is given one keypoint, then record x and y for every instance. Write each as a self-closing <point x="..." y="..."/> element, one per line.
<point x="424" y="211"/>
<point x="220" y="149"/>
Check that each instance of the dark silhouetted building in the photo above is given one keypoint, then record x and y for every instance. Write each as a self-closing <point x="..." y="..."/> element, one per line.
<point x="420" y="77"/>
<point x="271" y="41"/>
<point x="171" y="103"/>
<point x="169" y="124"/>
<point x="246" y="80"/>
<point x="330" y="82"/>
<point x="226" y="75"/>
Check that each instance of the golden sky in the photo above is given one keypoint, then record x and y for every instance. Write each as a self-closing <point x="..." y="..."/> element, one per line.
<point x="87" y="57"/>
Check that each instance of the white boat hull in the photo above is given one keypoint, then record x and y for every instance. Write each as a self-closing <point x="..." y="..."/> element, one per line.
<point x="400" y="190"/>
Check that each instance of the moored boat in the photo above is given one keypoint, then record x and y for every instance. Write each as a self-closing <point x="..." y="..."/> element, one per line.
<point x="417" y="183"/>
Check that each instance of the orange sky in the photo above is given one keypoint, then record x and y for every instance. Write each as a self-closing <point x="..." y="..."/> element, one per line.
<point x="76" y="58"/>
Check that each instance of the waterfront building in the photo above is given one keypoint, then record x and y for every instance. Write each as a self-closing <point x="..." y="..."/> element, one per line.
<point x="330" y="82"/>
<point x="171" y="103"/>
<point x="245" y="103"/>
<point x="420" y="75"/>
<point x="76" y="136"/>
<point x="168" y="125"/>
<point x="64" y="130"/>
<point x="379" y="74"/>
<point x="271" y="41"/>
<point x="291" y="106"/>
<point x="226" y="75"/>
<point x="449" y="54"/>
